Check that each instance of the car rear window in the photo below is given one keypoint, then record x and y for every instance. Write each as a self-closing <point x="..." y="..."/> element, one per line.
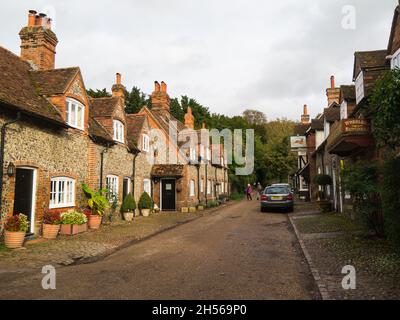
<point x="277" y="190"/>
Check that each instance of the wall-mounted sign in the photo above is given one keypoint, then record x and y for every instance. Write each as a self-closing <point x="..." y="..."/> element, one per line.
<point x="298" y="142"/>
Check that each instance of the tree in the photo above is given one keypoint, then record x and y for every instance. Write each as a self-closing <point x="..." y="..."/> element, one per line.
<point x="98" y="93"/>
<point x="135" y="100"/>
<point x="255" y="117"/>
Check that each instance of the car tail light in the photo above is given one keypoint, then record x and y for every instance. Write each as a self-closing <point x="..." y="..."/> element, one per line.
<point x="290" y="197"/>
<point x="264" y="197"/>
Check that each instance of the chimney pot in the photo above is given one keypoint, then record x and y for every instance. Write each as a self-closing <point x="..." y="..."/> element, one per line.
<point x="332" y="82"/>
<point x="156" y="86"/>
<point x="118" y="78"/>
<point x="163" y="86"/>
<point x="203" y="126"/>
<point x="305" y="110"/>
<point x="31" y="18"/>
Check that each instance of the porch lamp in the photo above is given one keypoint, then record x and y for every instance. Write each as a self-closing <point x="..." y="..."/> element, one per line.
<point x="11" y="169"/>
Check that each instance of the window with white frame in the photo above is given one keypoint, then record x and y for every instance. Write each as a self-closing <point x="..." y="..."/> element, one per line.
<point x="226" y="187"/>
<point x="119" y="131"/>
<point x="222" y="188"/>
<point x="360" y="87"/>
<point x="208" y="154"/>
<point x="147" y="186"/>
<point x="112" y="186"/>
<point x="146" y="143"/>
<point x="343" y="110"/>
<point x="208" y="186"/>
<point x="75" y="114"/>
<point x="395" y="62"/>
<point x="192" y="155"/>
<point x="62" y="192"/>
<point x="202" y="152"/>
<point x="191" y="188"/>
<point x="202" y="186"/>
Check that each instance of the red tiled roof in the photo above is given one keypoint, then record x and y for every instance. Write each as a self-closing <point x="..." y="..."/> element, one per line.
<point x="135" y="123"/>
<point x="97" y="131"/>
<point x="53" y="82"/>
<point x="103" y="107"/>
<point x="19" y="90"/>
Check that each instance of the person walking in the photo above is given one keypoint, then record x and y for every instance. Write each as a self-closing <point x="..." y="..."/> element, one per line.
<point x="249" y="191"/>
<point x="259" y="190"/>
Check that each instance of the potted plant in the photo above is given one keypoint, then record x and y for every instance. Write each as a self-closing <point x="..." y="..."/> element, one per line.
<point x="145" y="204"/>
<point x="201" y="206"/>
<point x="73" y="222"/>
<point x="51" y="225"/>
<point x="97" y="204"/>
<point x="15" y="230"/>
<point x="128" y="207"/>
<point x="323" y="180"/>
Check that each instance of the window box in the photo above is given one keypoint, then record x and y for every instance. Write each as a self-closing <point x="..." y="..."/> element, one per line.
<point x="72" y="229"/>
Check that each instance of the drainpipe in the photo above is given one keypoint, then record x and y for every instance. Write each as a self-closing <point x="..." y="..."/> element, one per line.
<point x="206" y="189"/>
<point x="198" y="179"/>
<point x="104" y="151"/>
<point x="135" y="155"/>
<point x="2" y="146"/>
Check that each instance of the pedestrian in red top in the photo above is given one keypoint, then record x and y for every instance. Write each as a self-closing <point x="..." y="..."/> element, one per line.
<point x="249" y="191"/>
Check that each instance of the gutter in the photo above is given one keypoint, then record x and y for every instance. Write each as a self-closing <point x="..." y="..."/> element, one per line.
<point x="2" y="147"/>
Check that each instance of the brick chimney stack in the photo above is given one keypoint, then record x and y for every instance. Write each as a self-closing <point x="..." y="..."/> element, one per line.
<point x="189" y="119"/>
<point x="305" y="118"/>
<point x="38" y="42"/>
<point x="333" y="93"/>
<point x="118" y="90"/>
<point x="160" y="99"/>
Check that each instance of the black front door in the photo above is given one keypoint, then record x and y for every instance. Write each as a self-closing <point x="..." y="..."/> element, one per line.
<point x="168" y="195"/>
<point x="23" y="195"/>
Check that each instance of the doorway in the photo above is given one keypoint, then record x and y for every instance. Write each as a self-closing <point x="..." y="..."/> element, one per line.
<point x="25" y="195"/>
<point x="126" y="187"/>
<point x="168" y="195"/>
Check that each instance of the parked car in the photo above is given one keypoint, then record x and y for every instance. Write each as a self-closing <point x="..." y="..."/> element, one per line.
<point x="284" y="185"/>
<point x="277" y="197"/>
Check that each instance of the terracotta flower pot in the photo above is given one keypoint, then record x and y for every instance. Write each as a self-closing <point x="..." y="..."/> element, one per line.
<point x="145" y="212"/>
<point x="71" y="229"/>
<point x="94" y="222"/>
<point x="128" y="216"/>
<point x="14" y="240"/>
<point x="50" y="231"/>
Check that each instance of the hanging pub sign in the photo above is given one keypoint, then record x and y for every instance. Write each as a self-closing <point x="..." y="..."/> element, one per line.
<point x="298" y="142"/>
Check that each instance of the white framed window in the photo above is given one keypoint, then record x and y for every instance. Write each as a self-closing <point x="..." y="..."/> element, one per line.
<point x="75" y="114"/>
<point x="192" y="154"/>
<point x="343" y="110"/>
<point x="146" y="143"/>
<point x="395" y="62"/>
<point x="360" y="87"/>
<point x="208" y="186"/>
<point x="202" y="151"/>
<point x="208" y="154"/>
<point x="147" y="186"/>
<point x="226" y="187"/>
<point x="119" y="131"/>
<point x="191" y="188"/>
<point x="202" y="185"/>
<point x="222" y="188"/>
<point x="112" y="183"/>
<point x="62" y="193"/>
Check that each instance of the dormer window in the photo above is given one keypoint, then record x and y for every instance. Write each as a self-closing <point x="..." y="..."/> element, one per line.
<point x="75" y="114"/>
<point x="146" y="143"/>
<point x="395" y="63"/>
<point x="119" y="131"/>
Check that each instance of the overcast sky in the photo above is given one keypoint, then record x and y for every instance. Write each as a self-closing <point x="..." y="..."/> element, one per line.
<point x="229" y="55"/>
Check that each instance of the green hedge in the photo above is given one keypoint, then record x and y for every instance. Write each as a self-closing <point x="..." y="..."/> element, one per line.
<point x="129" y="204"/>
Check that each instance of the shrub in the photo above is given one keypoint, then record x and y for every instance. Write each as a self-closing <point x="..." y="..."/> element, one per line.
<point x="391" y="198"/>
<point x="361" y="180"/>
<point x="323" y="180"/>
<point x="73" y="217"/>
<point x="236" y="196"/>
<point x="129" y="204"/>
<point x="212" y="204"/>
<point x="96" y="201"/>
<point x="17" y="223"/>
<point x="53" y="218"/>
<point x="145" y="201"/>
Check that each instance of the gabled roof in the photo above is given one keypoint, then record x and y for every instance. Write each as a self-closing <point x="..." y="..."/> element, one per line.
<point x="19" y="91"/>
<point x="54" y="82"/>
<point x="103" y="107"/>
<point x="166" y="121"/>
<point x="97" y="131"/>
<point x="394" y="40"/>
<point x="348" y="93"/>
<point x="332" y="114"/>
<point x="135" y="123"/>
<point x="364" y="60"/>
<point x="317" y="124"/>
<point x="301" y="129"/>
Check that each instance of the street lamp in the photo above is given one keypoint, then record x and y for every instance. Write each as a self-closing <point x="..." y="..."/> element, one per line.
<point x="11" y="169"/>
